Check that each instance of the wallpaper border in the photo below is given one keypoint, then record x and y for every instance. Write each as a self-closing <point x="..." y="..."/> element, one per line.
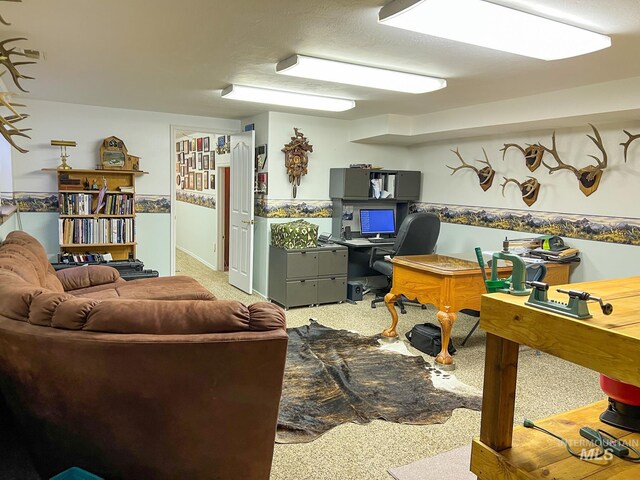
<point x="47" y="202"/>
<point x="600" y="228"/>
<point x="294" y="208"/>
<point x="200" y="199"/>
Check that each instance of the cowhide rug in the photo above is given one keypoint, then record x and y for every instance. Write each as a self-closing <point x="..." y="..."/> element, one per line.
<point x="335" y="376"/>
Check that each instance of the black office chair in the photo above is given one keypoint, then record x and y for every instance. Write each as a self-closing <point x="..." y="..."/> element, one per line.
<point x="534" y="272"/>
<point x="417" y="235"/>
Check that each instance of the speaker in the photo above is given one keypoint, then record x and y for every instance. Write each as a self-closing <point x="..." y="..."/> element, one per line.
<point x="347" y="233"/>
<point x="354" y="291"/>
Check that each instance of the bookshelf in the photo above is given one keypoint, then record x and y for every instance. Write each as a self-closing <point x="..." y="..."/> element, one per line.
<point x="96" y="212"/>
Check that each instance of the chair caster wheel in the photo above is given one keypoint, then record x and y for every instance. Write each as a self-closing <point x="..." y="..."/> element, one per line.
<point x="373" y="305"/>
<point x="424" y="307"/>
<point x="403" y="311"/>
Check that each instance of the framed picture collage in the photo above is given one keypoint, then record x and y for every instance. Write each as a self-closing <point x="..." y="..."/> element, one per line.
<point x="196" y="164"/>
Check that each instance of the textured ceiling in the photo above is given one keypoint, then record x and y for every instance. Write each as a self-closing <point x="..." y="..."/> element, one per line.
<point x="175" y="56"/>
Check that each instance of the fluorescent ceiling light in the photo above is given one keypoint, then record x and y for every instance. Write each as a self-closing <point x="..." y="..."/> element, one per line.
<point x="289" y="99"/>
<point x="339" y="72"/>
<point x="492" y="26"/>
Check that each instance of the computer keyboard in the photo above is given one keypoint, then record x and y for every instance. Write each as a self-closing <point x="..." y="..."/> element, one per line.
<point x="381" y="240"/>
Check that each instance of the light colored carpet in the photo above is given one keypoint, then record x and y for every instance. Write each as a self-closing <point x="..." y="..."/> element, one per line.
<point x="546" y="385"/>
<point x="451" y="465"/>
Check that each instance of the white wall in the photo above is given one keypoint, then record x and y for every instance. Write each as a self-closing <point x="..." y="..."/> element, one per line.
<point x="196" y="232"/>
<point x="331" y="149"/>
<point x="146" y="134"/>
<point x="559" y="191"/>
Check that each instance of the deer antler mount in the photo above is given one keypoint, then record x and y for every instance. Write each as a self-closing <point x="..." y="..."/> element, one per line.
<point x="2" y="20"/>
<point x="7" y="124"/>
<point x="589" y="176"/>
<point x="532" y="154"/>
<point x="485" y="174"/>
<point x="626" y="144"/>
<point x="529" y="189"/>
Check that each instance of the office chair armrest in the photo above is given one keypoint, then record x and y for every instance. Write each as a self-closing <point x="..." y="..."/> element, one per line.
<point x="375" y="255"/>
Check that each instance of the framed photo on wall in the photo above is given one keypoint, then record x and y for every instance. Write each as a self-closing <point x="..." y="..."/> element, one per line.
<point x="191" y="183"/>
<point x="205" y="181"/>
<point x="205" y="144"/>
<point x="212" y="161"/>
<point x="193" y="144"/>
<point x="199" y="144"/>
<point x="212" y="181"/>
<point x="185" y="146"/>
<point x="199" y="181"/>
<point x="199" y="160"/>
<point x="205" y="162"/>
<point x="263" y="182"/>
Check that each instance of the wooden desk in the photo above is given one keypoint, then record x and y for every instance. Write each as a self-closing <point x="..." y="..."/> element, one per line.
<point x="607" y="344"/>
<point x="450" y="284"/>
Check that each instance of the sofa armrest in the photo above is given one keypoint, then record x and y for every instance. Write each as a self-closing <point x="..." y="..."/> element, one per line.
<point x="87" y="276"/>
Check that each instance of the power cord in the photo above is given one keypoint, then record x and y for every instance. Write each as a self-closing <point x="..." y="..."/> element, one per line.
<point x="530" y="424"/>
<point x="605" y="441"/>
<point x="618" y="445"/>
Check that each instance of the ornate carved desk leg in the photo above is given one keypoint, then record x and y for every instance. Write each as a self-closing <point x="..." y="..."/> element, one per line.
<point x="389" y="301"/>
<point x="446" y="320"/>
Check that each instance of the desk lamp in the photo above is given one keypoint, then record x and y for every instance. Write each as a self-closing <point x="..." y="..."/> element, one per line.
<point x="63" y="144"/>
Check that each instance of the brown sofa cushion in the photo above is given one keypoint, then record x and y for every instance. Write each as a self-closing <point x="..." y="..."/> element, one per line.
<point x="31" y="250"/>
<point x="25" y="256"/>
<point x="164" y="288"/>
<point x="18" y="264"/>
<point x="87" y="276"/>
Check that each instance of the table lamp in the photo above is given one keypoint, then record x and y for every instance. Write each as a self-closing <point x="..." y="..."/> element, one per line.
<point x="63" y="144"/>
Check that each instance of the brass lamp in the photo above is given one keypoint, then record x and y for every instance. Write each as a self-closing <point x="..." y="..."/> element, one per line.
<point x="63" y="144"/>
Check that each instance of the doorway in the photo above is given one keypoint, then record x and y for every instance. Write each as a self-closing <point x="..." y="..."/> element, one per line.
<point x="224" y="174"/>
<point x="195" y="161"/>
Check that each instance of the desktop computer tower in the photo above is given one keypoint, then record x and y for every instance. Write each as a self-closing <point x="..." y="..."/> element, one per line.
<point x="355" y="291"/>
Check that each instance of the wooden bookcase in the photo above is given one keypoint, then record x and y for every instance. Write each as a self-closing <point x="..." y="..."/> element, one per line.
<point x="84" y="227"/>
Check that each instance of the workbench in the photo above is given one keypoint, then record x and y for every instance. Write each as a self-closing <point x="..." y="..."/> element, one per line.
<point x="607" y="344"/>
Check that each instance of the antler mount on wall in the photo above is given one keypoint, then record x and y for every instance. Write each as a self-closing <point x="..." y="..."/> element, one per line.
<point x="8" y="127"/>
<point x="529" y="189"/>
<point x="485" y="174"/>
<point x="589" y="176"/>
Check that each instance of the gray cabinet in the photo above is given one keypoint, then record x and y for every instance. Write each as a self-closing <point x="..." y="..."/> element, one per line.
<point x="355" y="183"/>
<point x="310" y="276"/>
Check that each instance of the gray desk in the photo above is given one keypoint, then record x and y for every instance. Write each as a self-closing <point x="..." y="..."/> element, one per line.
<point x="359" y="254"/>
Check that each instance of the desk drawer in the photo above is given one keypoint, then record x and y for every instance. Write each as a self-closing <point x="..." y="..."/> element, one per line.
<point x="302" y="264"/>
<point x="332" y="289"/>
<point x="301" y="292"/>
<point x="332" y="262"/>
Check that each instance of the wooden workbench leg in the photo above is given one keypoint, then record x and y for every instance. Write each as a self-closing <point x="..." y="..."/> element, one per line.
<point x="499" y="393"/>
<point x="390" y="303"/>
<point x="446" y="320"/>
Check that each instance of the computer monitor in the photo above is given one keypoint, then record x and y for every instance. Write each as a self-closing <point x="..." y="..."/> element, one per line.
<point x="377" y="221"/>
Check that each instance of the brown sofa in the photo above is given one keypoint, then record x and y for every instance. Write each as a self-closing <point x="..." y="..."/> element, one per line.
<point x="153" y="378"/>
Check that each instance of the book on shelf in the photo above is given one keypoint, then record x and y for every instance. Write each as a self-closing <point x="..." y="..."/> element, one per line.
<point x="125" y="189"/>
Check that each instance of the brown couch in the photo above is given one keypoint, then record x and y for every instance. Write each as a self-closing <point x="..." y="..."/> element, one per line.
<point x="152" y="379"/>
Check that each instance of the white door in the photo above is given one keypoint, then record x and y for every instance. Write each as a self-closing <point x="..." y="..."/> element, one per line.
<point x="241" y="211"/>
